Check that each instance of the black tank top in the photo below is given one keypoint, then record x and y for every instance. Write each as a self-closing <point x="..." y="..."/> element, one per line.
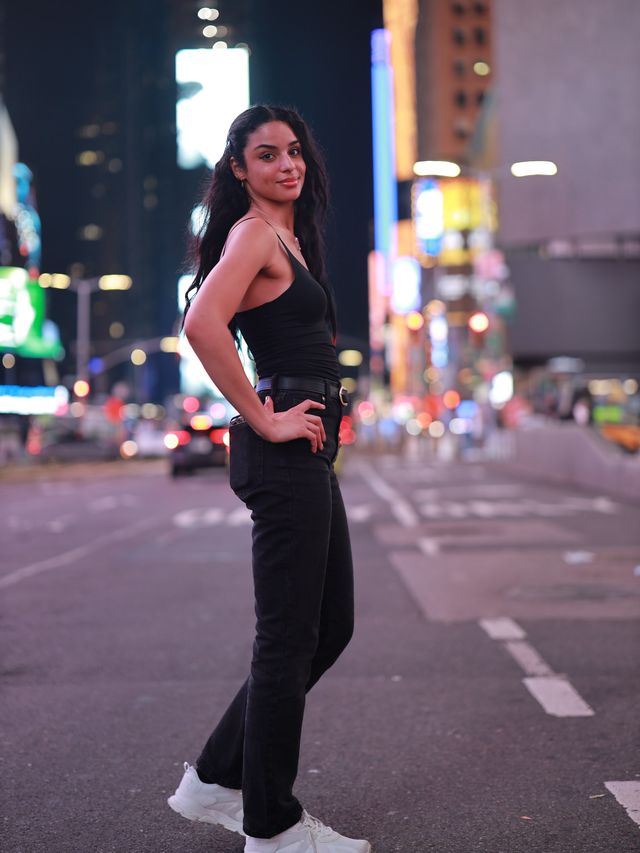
<point x="290" y="334"/>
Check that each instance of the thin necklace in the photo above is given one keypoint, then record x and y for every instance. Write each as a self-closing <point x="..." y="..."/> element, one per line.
<point x="297" y="242"/>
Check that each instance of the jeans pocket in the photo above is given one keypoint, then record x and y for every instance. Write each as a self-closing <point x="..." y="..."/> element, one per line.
<point x="245" y="459"/>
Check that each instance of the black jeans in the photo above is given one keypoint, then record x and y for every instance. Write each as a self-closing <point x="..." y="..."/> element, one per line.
<point x="303" y="579"/>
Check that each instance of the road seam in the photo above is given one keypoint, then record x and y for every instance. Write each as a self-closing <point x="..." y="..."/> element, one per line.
<point x="552" y="691"/>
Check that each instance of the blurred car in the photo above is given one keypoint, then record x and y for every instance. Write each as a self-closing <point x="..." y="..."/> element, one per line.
<point x="200" y="442"/>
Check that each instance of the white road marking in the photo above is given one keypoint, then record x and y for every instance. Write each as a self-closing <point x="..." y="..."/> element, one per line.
<point x="435" y="506"/>
<point x="404" y="513"/>
<point x="402" y="510"/>
<point x="528" y="658"/>
<point x="239" y="516"/>
<point x="361" y="512"/>
<point x="557" y="696"/>
<point x="578" y="558"/>
<point x="74" y="554"/>
<point x="199" y="517"/>
<point x="502" y="628"/>
<point x="554" y="692"/>
<point x="628" y="795"/>
<point x="429" y="546"/>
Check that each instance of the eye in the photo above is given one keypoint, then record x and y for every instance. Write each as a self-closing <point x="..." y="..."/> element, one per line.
<point x="265" y="155"/>
<point x="294" y="152"/>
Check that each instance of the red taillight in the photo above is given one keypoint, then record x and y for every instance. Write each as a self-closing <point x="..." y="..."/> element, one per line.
<point x="217" y="435"/>
<point x="347" y="433"/>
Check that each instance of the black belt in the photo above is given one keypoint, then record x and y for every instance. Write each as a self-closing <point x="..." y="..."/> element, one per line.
<point x="308" y="384"/>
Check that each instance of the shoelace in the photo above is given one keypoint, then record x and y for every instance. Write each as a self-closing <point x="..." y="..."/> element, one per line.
<point x="319" y="829"/>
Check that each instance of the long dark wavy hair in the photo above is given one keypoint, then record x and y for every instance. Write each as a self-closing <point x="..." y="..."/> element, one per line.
<point x="226" y="201"/>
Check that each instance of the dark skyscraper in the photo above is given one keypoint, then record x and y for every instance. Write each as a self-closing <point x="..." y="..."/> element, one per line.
<point x="91" y="91"/>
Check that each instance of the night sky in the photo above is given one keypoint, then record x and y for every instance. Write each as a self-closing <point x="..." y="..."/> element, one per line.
<point x="314" y="56"/>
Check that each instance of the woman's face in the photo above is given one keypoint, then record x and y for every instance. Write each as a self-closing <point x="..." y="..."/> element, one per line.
<point x="274" y="169"/>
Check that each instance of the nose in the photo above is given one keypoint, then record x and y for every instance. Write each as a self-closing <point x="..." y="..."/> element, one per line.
<point x="286" y="163"/>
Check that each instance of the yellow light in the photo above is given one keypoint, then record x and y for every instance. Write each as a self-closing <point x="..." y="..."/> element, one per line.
<point x="89" y="158"/>
<point x="201" y="422"/>
<point x="138" y="357"/>
<point x="349" y="384"/>
<point x="350" y="358"/>
<point x="60" y="281"/>
<point x="81" y="388"/>
<point x="415" y="321"/>
<point x="90" y="232"/>
<point x="482" y="69"/>
<point x="169" y="344"/>
<point x="45" y="280"/>
<point x="221" y="45"/>
<point x="149" y="410"/>
<point x="436" y="429"/>
<point x="630" y="387"/>
<point x="526" y="168"/>
<point x="479" y="322"/>
<point x="8" y="360"/>
<point x="440" y="168"/>
<point x="116" y="330"/>
<point x="210" y="31"/>
<point x="114" y="282"/>
<point x="128" y="449"/>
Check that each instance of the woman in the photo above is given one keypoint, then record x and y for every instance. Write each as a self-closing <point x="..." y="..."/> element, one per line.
<point x="269" y="184"/>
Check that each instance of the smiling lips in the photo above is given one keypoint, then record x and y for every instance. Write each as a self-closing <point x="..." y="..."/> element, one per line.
<point x="290" y="182"/>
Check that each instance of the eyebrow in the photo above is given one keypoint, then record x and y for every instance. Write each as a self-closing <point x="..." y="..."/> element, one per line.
<point x="275" y="147"/>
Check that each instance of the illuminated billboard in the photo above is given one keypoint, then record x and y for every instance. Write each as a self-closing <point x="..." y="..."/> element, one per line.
<point x="213" y="88"/>
<point x="23" y="328"/>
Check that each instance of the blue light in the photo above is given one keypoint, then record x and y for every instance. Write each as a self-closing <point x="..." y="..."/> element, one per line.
<point x="385" y="196"/>
<point x="95" y="365"/>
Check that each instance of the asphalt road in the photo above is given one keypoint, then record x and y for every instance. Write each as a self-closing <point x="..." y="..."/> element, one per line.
<point x="488" y="698"/>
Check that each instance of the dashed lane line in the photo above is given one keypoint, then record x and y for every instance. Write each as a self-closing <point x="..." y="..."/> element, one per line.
<point x="553" y="692"/>
<point x="68" y="557"/>
<point x="401" y="508"/>
<point x="628" y="795"/>
<point x="528" y="658"/>
<point x="502" y="628"/>
<point x="557" y="696"/>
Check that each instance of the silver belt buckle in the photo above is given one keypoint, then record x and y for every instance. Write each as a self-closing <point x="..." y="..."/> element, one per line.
<point x="344" y="400"/>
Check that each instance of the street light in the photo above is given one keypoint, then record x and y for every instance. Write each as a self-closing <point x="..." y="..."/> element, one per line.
<point x="84" y="287"/>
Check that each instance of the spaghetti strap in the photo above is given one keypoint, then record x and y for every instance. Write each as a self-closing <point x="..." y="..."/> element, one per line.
<point x="239" y="222"/>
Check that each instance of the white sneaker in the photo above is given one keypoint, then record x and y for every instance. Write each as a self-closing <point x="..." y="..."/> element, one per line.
<point x="197" y="800"/>
<point x="307" y="836"/>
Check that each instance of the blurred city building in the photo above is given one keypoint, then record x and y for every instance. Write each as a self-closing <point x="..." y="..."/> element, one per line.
<point x="454" y="46"/>
<point x="515" y="171"/>
<point x="565" y="89"/>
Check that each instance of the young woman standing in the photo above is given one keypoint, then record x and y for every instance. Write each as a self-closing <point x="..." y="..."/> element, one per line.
<point x="261" y="271"/>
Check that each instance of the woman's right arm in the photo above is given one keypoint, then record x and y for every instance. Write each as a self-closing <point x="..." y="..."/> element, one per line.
<point x="249" y="250"/>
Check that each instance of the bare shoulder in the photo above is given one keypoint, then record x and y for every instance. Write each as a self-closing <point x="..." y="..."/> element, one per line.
<point x="252" y="236"/>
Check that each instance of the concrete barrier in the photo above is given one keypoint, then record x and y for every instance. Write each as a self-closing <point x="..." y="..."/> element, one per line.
<point x="568" y="453"/>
